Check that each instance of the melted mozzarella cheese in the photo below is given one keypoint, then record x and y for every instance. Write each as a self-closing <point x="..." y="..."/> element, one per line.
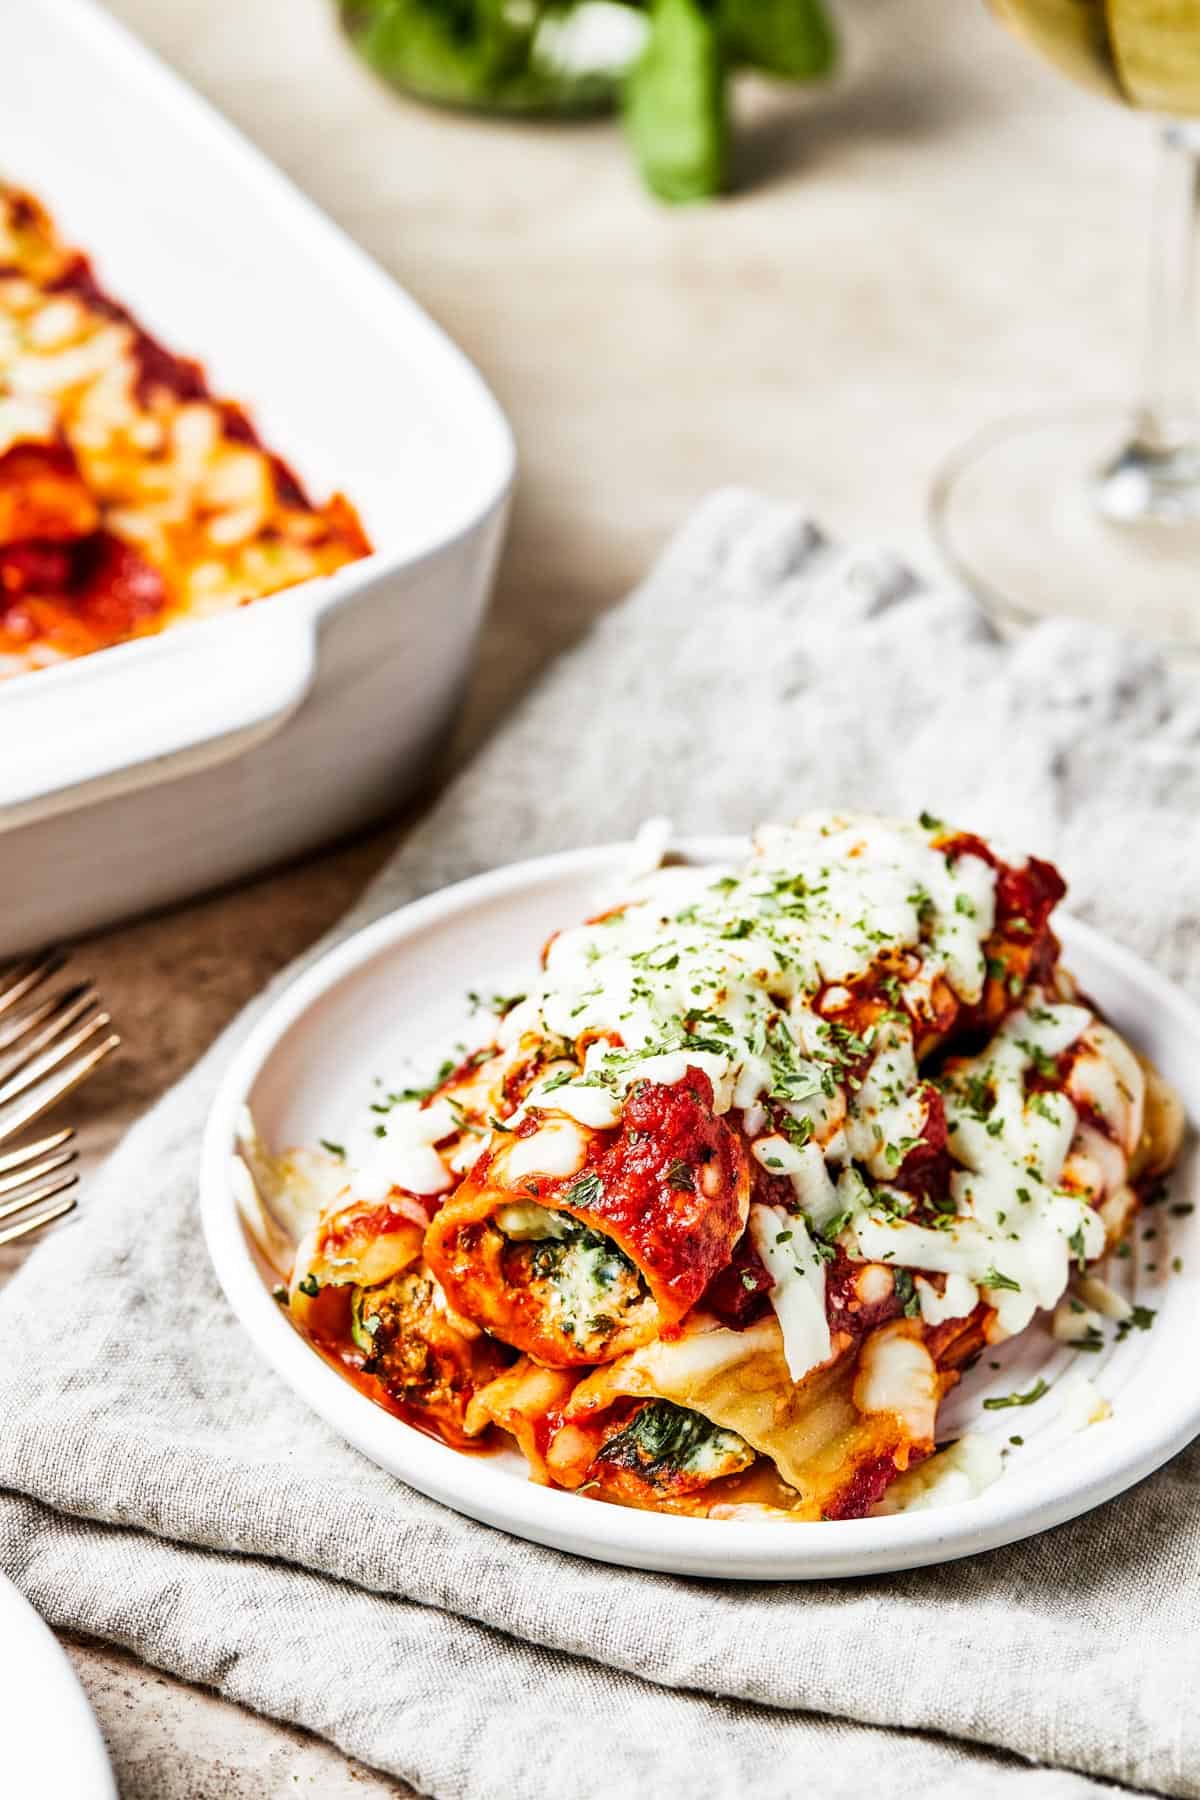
<point x="1107" y="1077"/>
<point x="719" y="969"/>
<point x="558" y="1148"/>
<point x="890" y="1107"/>
<point x="1073" y="1323"/>
<point x="958" y="1298"/>
<point x="416" y="1167"/>
<point x="960" y="1472"/>
<point x="1082" y="1404"/>
<point x="896" y="1374"/>
<point x="1016" y="1232"/>
<point x="414" y="1123"/>
<point x="595" y="1107"/>
<point x="797" y="1269"/>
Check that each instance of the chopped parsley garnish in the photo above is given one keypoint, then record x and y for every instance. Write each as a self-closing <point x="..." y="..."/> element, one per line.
<point x="796" y="1131"/>
<point x="338" y="1150"/>
<point x="559" y="1079"/>
<point x="1043" y="1062"/>
<point x="929" y="823"/>
<point x="584" y="1191"/>
<point x="462" y="1118"/>
<point x="999" y="1401"/>
<point x="906" y="1293"/>
<point x="411" y="1095"/>
<point x="1140" y="1319"/>
<point x="994" y="1279"/>
<point x="1075" y="1241"/>
<point x="979" y="1097"/>
<point x="680" y="1178"/>
<point x="310" y="1286"/>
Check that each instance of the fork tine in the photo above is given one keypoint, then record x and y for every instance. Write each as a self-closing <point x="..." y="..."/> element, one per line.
<point x="46" y="1094"/>
<point x="66" y="1010"/>
<point x="44" y="1065"/>
<point x="46" y="1190"/>
<point x="21" y="1227"/>
<point x="27" y="1153"/>
<point x="34" y="1171"/>
<point x="22" y="1023"/>
<point x="21" y="978"/>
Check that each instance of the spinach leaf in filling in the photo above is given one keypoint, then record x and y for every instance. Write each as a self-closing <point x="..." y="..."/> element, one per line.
<point x="663" y="1442"/>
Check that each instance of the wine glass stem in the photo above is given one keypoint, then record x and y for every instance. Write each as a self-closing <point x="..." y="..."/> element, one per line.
<point x="1156" y="476"/>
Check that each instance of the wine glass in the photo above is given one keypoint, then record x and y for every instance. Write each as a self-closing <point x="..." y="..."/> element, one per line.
<point x="1095" y="511"/>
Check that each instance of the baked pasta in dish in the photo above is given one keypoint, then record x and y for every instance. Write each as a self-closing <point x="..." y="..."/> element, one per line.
<point x="766" y="1157"/>
<point x="130" y="498"/>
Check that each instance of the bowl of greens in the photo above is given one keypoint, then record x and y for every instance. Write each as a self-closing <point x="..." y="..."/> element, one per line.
<point x="668" y="65"/>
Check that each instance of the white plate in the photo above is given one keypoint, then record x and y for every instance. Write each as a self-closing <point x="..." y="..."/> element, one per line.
<point x="52" y="1743"/>
<point x="392" y="1000"/>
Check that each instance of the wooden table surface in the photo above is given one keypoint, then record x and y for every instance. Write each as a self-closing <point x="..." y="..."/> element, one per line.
<point x="946" y="235"/>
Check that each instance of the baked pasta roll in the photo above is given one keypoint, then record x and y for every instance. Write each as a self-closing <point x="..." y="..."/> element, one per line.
<point x="576" y="1245"/>
<point x="360" y="1290"/>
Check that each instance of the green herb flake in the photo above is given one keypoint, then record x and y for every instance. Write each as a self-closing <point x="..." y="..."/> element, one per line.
<point x="1000" y="1401"/>
<point x="1140" y="1319"/>
<point x="584" y="1191"/>
<point x="906" y="1293"/>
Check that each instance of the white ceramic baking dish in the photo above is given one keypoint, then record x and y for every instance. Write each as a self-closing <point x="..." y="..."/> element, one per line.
<point x="139" y="775"/>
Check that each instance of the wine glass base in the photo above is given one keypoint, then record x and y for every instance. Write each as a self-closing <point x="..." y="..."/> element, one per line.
<point x="1067" y="513"/>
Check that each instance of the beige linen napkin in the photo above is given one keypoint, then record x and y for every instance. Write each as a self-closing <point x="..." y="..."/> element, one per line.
<point x="165" y="1492"/>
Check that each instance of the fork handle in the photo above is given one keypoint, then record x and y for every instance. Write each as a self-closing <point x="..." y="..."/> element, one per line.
<point x="146" y="711"/>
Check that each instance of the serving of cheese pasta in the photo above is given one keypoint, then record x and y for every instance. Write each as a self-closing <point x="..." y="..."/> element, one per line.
<point x="721" y="1208"/>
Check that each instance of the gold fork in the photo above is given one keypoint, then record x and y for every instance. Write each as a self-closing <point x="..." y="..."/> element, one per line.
<point x="37" y="1185"/>
<point x="50" y="1041"/>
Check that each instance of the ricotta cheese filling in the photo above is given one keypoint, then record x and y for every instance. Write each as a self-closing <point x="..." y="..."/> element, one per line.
<point x="587" y="1284"/>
